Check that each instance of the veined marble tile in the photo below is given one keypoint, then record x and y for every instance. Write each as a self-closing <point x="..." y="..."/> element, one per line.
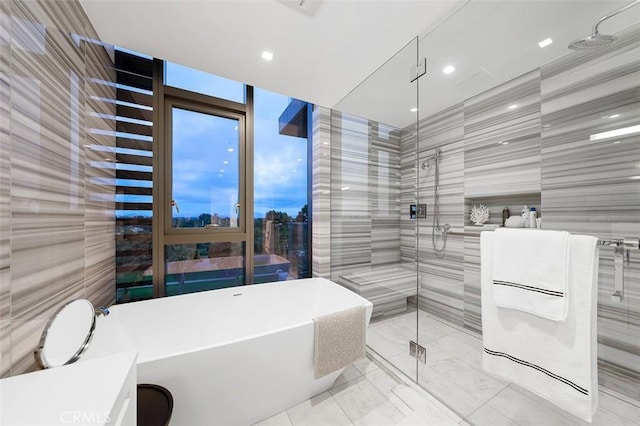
<point x="364" y="404"/>
<point x="502" y="139"/>
<point x="5" y="188"/>
<point x="589" y="183"/>
<point x="321" y="192"/>
<point x="56" y="224"/>
<point x="319" y="410"/>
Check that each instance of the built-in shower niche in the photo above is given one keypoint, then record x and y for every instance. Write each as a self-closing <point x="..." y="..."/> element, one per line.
<point x="514" y="202"/>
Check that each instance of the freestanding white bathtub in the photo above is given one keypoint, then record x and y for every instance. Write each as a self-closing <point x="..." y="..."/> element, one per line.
<point x="233" y="356"/>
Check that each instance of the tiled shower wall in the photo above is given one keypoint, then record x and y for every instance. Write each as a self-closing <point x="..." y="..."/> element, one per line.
<point x="542" y="154"/>
<point x="56" y="177"/>
<point x="365" y="193"/>
<point x="591" y="182"/>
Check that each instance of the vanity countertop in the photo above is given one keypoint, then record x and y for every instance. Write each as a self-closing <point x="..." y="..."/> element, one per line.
<point x="99" y="391"/>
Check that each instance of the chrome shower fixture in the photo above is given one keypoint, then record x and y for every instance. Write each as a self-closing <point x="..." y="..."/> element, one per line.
<point x="596" y="39"/>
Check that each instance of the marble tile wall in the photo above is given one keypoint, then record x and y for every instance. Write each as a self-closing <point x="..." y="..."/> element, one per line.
<point x="502" y="139"/>
<point x="56" y="195"/>
<point x="5" y="183"/>
<point x="591" y="184"/>
<point x="321" y="192"/>
<point x="365" y="212"/>
<point x="441" y="274"/>
<point x="578" y="182"/>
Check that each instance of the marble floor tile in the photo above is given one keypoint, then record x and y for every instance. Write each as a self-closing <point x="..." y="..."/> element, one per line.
<point x="382" y="381"/>
<point x="382" y="396"/>
<point x="474" y="381"/>
<point x="280" y="419"/>
<point x="524" y="410"/>
<point x="463" y="346"/>
<point x="358" y="398"/>
<point x="365" y="365"/>
<point x="487" y="415"/>
<point x="453" y="374"/>
<point x="440" y="386"/>
<point x="383" y="346"/>
<point x="426" y="406"/>
<point x="320" y="410"/>
<point x="349" y="373"/>
<point x="430" y="329"/>
<point x="385" y="414"/>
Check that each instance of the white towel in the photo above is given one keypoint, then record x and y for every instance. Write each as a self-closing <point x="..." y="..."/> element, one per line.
<point x="556" y="360"/>
<point x="339" y="340"/>
<point x="531" y="271"/>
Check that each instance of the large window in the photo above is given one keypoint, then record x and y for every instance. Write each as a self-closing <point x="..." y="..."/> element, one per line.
<point x="229" y="192"/>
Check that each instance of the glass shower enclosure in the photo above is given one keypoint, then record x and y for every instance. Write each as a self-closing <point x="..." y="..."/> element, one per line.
<point x="461" y="117"/>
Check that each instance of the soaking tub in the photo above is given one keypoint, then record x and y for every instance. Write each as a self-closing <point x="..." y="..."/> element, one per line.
<point x="233" y="356"/>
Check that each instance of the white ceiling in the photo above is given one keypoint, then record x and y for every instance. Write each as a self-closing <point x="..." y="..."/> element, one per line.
<point x="489" y="43"/>
<point x="324" y="54"/>
<point x="320" y="55"/>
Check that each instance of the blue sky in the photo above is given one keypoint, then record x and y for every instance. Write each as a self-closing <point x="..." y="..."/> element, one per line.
<point x="204" y="183"/>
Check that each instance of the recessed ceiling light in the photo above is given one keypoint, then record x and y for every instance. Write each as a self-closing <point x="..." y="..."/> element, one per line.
<point x="298" y="159"/>
<point x="414" y="109"/>
<point x="267" y="56"/>
<point x="448" y="69"/>
<point x="614" y="116"/>
<point x="344" y="188"/>
<point x="505" y="143"/>
<point x="221" y="170"/>
<point x="514" y="106"/>
<point x="230" y="149"/>
<point x="616" y="142"/>
<point x="225" y="162"/>
<point x="545" y="42"/>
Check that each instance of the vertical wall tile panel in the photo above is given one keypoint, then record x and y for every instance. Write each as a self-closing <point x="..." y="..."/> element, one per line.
<point x="350" y="203"/>
<point x="441" y="274"/>
<point x="365" y="212"/>
<point x="590" y="184"/>
<point x="510" y="138"/>
<point x="56" y="206"/>
<point x="5" y="185"/>
<point x="408" y="195"/>
<point x="47" y="178"/>
<point x="321" y="194"/>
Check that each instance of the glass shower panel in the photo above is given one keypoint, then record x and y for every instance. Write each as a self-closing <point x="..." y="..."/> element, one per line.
<point x="374" y="201"/>
<point x="511" y="118"/>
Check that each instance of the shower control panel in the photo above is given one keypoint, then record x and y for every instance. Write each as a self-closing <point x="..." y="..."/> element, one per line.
<point x="417" y="211"/>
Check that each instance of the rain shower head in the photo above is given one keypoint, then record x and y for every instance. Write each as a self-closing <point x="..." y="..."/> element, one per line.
<point x="593" y="41"/>
<point x="596" y="39"/>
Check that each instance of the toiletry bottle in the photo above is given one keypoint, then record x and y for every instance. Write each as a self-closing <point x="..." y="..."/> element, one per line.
<point x="525" y="215"/>
<point x="505" y="215"/>
<point x="532" y="217"/>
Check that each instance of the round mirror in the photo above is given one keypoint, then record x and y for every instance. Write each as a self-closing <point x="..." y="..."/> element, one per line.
<point x="67" y="334"/>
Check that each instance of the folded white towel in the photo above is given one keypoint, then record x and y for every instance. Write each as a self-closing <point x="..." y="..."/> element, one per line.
<point x="339" y="340"/>
<point x="531" y="271"/>
<point x="556" y="360"/>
